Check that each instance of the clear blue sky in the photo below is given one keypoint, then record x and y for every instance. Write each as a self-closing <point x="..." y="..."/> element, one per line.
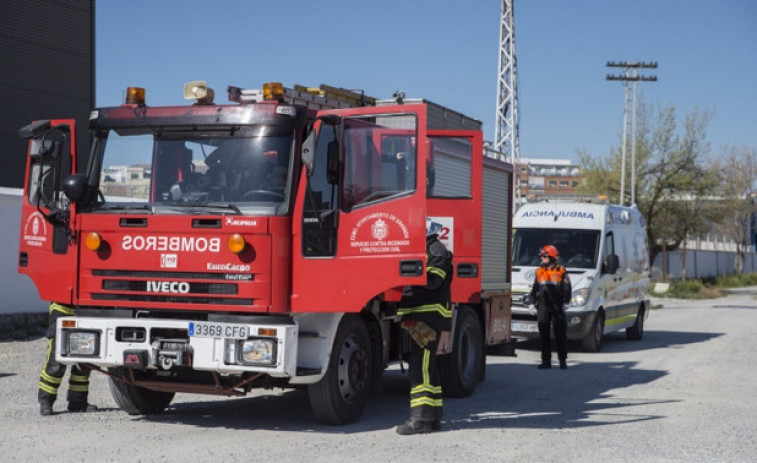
<point x="446" y="51"/>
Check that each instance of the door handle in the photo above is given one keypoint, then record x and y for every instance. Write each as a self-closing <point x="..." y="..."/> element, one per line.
<point x="411" y="268"/>
<point x="465" y="270"/>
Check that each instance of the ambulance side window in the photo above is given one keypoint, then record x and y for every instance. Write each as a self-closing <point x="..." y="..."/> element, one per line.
<point x="609" y="247"/>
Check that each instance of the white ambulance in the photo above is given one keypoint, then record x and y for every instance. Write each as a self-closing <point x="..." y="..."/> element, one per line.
<point x="603" y="248"/>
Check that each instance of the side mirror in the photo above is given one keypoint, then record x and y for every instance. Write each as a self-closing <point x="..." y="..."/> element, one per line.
<point x="612" y="263"/>
<point x="34" y="129"/>
<point x="74" y="186"/>
<point x="308" y="152"/>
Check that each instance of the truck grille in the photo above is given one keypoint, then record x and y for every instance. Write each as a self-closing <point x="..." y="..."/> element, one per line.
<point x="171" y="287"/>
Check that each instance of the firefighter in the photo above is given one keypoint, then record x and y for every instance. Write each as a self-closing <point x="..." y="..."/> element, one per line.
<point x="425" y="312"/>
<point x="52" y="373"/>
<point x="551" y="293"/>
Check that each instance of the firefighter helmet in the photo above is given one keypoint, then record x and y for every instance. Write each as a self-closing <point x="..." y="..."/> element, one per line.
<point x="432" y="228"/>
<point x="549" y="250"/>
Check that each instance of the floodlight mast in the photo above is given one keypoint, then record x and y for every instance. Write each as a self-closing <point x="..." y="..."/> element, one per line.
<point x="631" y="75"/>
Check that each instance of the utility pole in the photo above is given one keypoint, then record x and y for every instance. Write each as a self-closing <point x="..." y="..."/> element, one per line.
<point x="631" y="75"/>
<point x="506" y="121"/>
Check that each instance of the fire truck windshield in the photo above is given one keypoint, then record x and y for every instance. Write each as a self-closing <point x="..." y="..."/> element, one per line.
<point x="242" y="170"/>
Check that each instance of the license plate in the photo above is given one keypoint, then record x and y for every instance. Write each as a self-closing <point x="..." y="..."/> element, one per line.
<point x="524" y="327"/>
<point x="218" y="330"/>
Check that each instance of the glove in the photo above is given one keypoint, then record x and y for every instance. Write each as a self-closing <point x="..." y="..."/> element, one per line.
<point x="421" y="333"/>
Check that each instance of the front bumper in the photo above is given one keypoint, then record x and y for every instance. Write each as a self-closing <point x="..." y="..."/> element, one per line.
<point x="524" y="324"/>
<point x="165" y="343"/>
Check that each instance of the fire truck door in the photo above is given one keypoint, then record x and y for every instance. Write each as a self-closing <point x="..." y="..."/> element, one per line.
<point x="359" y="217"/>
<point x="46" y="250"/>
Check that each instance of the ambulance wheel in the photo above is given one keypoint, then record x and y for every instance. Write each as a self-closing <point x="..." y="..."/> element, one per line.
<point x="136" y="400"/>
<point x="593" y="342"/>
<point x="636" y="332"/>
<point x="341" y="395"/>
<point x="462" y="369"/>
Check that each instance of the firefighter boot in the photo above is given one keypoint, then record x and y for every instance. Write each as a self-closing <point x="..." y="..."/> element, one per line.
<point x="77" y="402"/>
<point x="412" y="426"/>
<point x="420" y="422"/>
<point x="46" y="401"/>
<point x="46" y="408"/>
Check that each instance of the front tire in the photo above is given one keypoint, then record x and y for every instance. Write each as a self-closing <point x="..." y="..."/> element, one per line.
<point x="462" y="369"/>
<point x="636" y="332"/>
<point x="593" y="341"/>
<point x="341" y="395"/>
<point x="136" y="400"/>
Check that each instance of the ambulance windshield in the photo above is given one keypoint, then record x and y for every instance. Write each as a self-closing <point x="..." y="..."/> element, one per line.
<point x="191" y="168"/>
<point x="577" y="248"/>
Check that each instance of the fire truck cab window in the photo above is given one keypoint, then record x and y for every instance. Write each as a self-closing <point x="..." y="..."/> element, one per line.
<point x="249" y="168"/>
<point x="379" y="159"/>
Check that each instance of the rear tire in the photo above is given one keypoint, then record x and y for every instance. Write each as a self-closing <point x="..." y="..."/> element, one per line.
<point x="636" y="332"/>
<point x="461" y="369"/>
<point x="341" y="395"/>
<point x="593" y="341"/>
<point x="136" y="400"/>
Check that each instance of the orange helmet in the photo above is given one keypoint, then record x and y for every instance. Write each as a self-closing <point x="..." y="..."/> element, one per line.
<point x="549" y="250"/>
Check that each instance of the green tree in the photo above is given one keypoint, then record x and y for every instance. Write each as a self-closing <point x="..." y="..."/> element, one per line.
<point x="671" y="174"/>
<point x="738" y="172"/>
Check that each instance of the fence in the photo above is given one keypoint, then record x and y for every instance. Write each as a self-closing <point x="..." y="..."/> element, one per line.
<point x="700" y="263"/>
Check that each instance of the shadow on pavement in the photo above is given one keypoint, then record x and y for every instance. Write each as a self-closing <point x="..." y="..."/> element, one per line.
<point x="617" y="342"/>
<point x="512" y="396"/>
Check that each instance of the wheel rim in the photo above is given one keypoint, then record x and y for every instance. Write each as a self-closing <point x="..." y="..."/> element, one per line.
<point x="352" y="369"/>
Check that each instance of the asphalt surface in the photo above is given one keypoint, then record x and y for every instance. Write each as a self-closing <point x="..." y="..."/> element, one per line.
<point x="686" y="392"/>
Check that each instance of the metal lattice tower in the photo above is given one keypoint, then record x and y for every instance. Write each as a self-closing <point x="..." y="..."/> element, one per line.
<point x="506" y="125"/>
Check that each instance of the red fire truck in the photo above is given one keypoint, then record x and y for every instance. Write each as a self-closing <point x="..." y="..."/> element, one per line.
<point x="264" y="243"/>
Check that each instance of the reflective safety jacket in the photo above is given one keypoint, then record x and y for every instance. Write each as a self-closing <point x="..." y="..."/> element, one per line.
<point x="431" y="303"/>
<point x="551" y="290"/>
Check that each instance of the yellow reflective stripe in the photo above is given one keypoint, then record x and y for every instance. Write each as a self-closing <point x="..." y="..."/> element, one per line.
<point x="612" y="321"/>
<point x="446" y="313"/>
<point x="424" y="368"/>
<point x="47" y="388"/>
<point x="437" y="271"/>
<point x="78" y="388"/>
<point x="424" y="388"/>
<point x="64" y="309"/>
<point x="79" y="378"/>
<point x="51" y="379"/>
<point x="425" y="401"/>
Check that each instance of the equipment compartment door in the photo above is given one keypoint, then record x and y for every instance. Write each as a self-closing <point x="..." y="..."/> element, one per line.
<point x="47" y="251"/>
<point x="360" y="215"/>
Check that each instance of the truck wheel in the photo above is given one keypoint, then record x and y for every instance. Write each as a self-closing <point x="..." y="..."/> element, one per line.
<point x="136" y="400"/>
<point x="341" y="395"/>
<point x="636" y="332"/>
<point x="593" y="342"/>
<point x="461" y="369"/>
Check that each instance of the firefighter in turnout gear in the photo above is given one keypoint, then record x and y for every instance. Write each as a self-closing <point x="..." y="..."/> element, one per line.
<point x="425" y="312"/>
<point x="52" y="373"/>
<point x="551" y="293"/>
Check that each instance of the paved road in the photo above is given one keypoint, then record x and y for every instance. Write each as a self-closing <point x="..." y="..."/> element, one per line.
<point x="686" y="392"/>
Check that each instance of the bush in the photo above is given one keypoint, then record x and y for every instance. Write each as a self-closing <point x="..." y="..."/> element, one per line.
<point x="736" y="280"/>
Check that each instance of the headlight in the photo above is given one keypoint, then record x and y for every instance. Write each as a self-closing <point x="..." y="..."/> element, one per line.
<point x="82" y="343"/>
<point x="580" y="297"/>
<point x="258" y="351"/>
